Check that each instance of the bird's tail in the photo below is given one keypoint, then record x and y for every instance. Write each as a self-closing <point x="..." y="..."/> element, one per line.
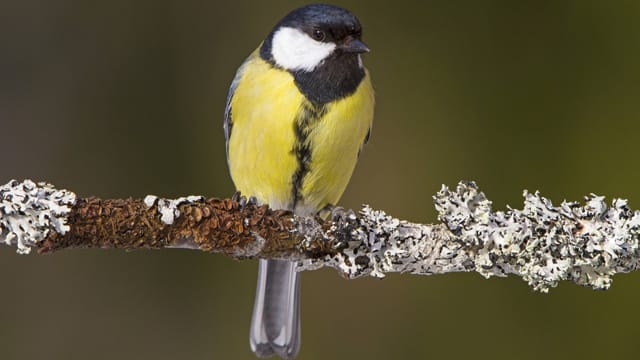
<point x="275" y="327"/>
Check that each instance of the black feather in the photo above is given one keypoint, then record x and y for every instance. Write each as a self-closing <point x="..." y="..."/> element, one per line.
<point x="340" y="74"/>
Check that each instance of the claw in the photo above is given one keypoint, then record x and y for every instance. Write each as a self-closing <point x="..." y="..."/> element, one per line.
<point x="335" y="213"/>
<point x="338" y="213"/>
<point x="243" y="201"/>
<point x="236" y="196"/>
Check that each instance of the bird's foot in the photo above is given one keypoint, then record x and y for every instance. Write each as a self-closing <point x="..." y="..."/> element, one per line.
<point x="336" y="213"/>
<point x="243" y="201"/>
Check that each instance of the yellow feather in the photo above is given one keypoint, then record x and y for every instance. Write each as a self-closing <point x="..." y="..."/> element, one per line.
<point x="335" y="144"/>
<point x="262" y="161"/>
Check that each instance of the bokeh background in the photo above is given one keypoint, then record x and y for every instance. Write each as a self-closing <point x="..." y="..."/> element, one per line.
<point x="125" y="98"/>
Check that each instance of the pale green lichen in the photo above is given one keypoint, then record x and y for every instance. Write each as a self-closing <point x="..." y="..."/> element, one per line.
<point x="541" y="243"/>
<point x="28" y="211"/>
<point x="168" y="208"/>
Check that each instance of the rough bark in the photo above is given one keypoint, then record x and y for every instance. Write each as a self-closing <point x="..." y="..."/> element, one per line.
<point x="541" y="243"/>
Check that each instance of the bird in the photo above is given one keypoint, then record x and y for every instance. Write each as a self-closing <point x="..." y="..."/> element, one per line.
<point x="298" y="112"/>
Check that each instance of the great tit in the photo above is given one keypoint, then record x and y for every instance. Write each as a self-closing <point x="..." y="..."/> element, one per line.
<point x="298" y="112"/>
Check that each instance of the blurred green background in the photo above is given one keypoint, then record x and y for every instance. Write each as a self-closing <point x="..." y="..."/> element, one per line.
<point x="125" y="98"/>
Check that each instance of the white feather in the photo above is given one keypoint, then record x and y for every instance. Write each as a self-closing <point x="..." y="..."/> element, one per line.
<point x="294" y="50"/>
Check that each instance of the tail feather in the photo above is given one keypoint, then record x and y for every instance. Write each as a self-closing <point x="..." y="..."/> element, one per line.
<point x="275" y="327"/>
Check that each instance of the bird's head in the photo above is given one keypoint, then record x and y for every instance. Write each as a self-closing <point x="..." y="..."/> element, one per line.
<point x="309" y="35"/>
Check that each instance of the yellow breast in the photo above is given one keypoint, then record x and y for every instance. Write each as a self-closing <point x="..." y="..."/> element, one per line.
<point x="264" y="157"/>
<point x="336" y="142"/>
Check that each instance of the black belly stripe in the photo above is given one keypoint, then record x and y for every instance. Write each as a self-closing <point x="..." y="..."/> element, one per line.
<point x="308" y="118"/>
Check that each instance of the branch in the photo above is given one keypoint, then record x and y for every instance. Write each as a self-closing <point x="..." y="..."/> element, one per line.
<point x="542" y="243"/>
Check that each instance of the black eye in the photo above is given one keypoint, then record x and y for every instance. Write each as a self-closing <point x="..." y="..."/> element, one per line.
<point x="318" y="35"/>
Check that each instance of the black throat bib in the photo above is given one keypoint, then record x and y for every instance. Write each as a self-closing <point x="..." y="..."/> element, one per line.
<point x="336" y="77"/>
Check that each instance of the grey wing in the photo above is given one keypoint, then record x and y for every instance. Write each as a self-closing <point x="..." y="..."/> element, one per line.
<point x="228" y="122"/>
<point x="366" y="140"/>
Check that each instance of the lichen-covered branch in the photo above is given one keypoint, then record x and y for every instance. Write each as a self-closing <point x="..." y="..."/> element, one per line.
<point x="541" y="243"/>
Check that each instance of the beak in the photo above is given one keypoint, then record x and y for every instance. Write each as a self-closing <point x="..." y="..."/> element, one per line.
<point x="355" y="46"/>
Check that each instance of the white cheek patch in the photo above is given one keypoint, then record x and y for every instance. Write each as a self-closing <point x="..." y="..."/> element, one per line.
<point x="294" y="50"/>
